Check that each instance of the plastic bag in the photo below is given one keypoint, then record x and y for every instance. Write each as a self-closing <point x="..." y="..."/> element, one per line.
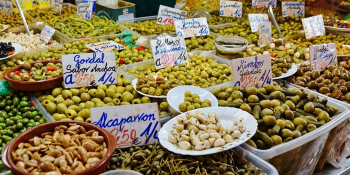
<point x="5" y="88"/>
<point x="127" y="36"/>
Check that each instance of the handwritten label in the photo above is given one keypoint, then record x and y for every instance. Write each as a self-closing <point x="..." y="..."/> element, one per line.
<point x="56" y="6"/>
<point x="323" y="55"/>
<point x="293" y="9"/>
<point x="89" y="69"/>
<point x="169" y="51"/>
<point x="264" y="34"/>
<point x="313" y="26"/>
<point x="85" y="10"/>
<point x="6" y="8"/>
<point x="256" y="19"/>
<point x="192" y="27"/>
<point x="230" y="8"/>
<point x="46" y="33"/>
<point x="131" y="125"/>
<point x="252" y="71"/>
<point x="105" y="46"/>
<point x="168" y="15"/>
<point x="264" y="3"/>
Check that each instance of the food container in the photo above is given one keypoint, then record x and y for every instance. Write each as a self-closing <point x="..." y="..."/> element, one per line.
<point x="229" y="46"/>
<point x="300" y="155"/>
<point x="49" y="127"/>
<point x="112" y="12"/>
<point x="33" y="85"/>
<point x="121" y="172"/>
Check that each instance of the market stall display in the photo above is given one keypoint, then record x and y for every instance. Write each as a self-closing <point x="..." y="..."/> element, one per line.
<point x="14" y="20"/>
<point x="46" y="14"/>
<point x="8" y="49"/>
<point x="201" y="43"/>
<point x="147" y="28"/>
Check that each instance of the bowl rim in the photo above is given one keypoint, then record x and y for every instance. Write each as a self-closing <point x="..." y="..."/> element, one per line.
<point x="110" y="145"/>
<point x="7" y="73"/>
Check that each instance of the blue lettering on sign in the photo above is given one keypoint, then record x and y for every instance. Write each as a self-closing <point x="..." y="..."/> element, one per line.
<point x="255" y="64"/>
<point x="88" y="15"/>
<point x="203" y="31"/>
<point x="109" y="78"/>
<point x="88" y="60"/>
<point x="238" y="12"/>
<point x="153" y="133"/>
<point x="272" y="3"/>
<point x="265" y="78"/>
<point x="189" y="22"/>
<point x="68" y="79"/>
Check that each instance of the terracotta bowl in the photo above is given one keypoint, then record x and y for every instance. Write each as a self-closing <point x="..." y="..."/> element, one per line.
<point x="98" y="168"/>
<point x="33" y="85"/>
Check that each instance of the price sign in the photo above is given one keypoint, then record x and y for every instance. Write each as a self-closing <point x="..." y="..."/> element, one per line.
<point x="56" y="6"/>
<point x="168" y="15"/>
<point x="323" y="55"/>
<point x="252" y="71"/>
<point x="264" y="34"/>
<point x="313" y="26"/>
<point x="169" y="51"/>
<point x="6" y="8"/>
<point x="293" y="9"/>
<point x="46" y="33"/>
<point x="264" y="3"/>
<point x="84" y="10"/>
<point x="230" y="8"/>
<point x="105" y="46"/>
<point x="131" y="125"/>
<point x="89" y="69"/>
<point x="256" y="19"/>
<point x="192" y="27"/>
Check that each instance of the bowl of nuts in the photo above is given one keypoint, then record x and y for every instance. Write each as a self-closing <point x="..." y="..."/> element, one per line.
<point x="61" y="147"/>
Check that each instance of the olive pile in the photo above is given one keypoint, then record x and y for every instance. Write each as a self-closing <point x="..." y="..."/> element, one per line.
<point x="14" y="20"/>
<point x="290" y="25"/>
<point x="6" y="49"/>
<point x="336" y="23"/>
<point x="200" y="43"/>
<point x="199" y="71"/>
<point x="216" y="19"/>
<point x="47" y="14"/>
<point x="147" y="28"/>
<point x="193" y="101"/>
<point x="282" y="114"/>
<point x="327" y="13"/>
<point x="38" y="72"/>
<point x="1" y="27"/>
<point x="154" y="159"/>
<point x="155" y="86"/>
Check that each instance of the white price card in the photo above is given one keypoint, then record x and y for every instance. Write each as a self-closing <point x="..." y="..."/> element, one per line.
<point x="46" y="33"/>
<point x="264" y="3"/>
<point x="5" y="8"/>
<point x="168" y="15"/>
<point x="89" y="69"/>
<point x="290" y="8"/>
<point x="84" y="10"/>
<point x="230" y="8"/>
<point x="256" y="19"/>
<point x="313" y="26"/>
<point x="322" y="56"/>
<point x="105" y="46"/>
<point x="252" y="71"/>
<point x="56" y="6"/>
<point x="169" y="51"/>
<point x="192" y="27"/>
<point x="131" y="125"/>
<point x="264" y="34"/>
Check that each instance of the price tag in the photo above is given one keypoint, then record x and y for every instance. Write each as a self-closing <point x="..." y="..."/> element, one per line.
<point x="46" y="33"/>
<point x="126" y="18"/>
<point x="89" y="69"/>
<point x="264" y="3"/>
<point x="252" y="71"/>
<point x="293" y="9"/>
<point x="323" y="55"/>
<point x="105" y="46"/>
<point x="131" y="125"/>
<point x="169" y="51"/>
<point x="168" y="15"/>
<point x="230" y="8"/>
<point x="192" y="27"/>
<point x="84" y="10"/>
<point x="264" y="34"/>
<point x="56" y="6"/>
<point x="6" y="8"/>
<point x="256" y="19"/>
<point x="313" y="26"/>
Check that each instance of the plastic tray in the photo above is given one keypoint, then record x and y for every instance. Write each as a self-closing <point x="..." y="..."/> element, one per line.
<point x="301" y="155"/>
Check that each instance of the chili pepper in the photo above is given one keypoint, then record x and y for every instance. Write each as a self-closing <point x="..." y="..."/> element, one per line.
<point x="32" y="103"/>
<point x="16" y="73"/>
<point x="160" y="79"/>
<point x="51" y="68"/>
<point x="272" y="54"/>
<point x="122" y="61"/>
<point x="140" y="48"/>
<point x="11" y="53"/>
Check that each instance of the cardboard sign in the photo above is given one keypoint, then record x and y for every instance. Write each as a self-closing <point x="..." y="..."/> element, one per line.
<point x="252" y="71"/>
<point x="56" y="6"/>
<point x="230" y="8"/>
<point x="168" y="15"/>
<point x="264" y="34"/>
<point x="105" y="46"/>
<point x="131" y="125"/>
<point x="192" y="27"/>
<point x="84" y="10"/>
<point x="313" y="26"/>
<point x="322" y="56"/>
<point x="169" y="51"/>
<point x="256" y="19"/>
<point x="264" y="3"/>
<point x="46" y="33"/>
<point x="5" y="8"/>
<point x="89" y="69"/>
<point x="296" y="9"/>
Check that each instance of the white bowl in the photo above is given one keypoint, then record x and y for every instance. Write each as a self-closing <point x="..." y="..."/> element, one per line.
<point x="18" y="49"/>
<point x="134" y="83"/>
<point x="121" y="172"/>
<point x="227" y="115"/>
<point x="177" y="95"/>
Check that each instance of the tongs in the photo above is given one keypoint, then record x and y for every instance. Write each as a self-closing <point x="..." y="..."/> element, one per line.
<point x="272" y="16"/>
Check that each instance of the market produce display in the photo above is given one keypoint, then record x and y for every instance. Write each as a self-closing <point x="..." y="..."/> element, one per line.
<point x="6" y="49"/>
<point x="337" y="23"/>
<point x="147" y="28"/>
<point x="14" y="20"/>
<point x="46" y="14"/>
<point x="155" y="86"/>
<point x="200" y="43"/>
<point x="216" y="19"/>
<point x="37" y="72"/>
<point x="193" y="101"/>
